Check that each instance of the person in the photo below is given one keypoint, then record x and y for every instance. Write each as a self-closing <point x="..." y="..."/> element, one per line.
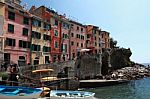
<point x="13" y="75"/>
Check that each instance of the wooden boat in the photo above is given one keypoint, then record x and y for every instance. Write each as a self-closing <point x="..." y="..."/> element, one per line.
<point x="61" y="94"/>
<point x="18" y="92"/>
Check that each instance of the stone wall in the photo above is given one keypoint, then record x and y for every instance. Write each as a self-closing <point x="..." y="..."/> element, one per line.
<point x="57" y="67"/>
<point x="88" y="66"/>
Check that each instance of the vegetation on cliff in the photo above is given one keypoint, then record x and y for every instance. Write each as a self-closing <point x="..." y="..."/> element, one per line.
<point x="115" y="58"/>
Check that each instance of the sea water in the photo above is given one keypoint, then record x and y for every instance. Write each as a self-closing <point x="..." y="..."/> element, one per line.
<point x="137" y="89"/>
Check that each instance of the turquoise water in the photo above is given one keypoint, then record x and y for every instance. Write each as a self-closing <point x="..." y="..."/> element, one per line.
<point x="139" y="89"/>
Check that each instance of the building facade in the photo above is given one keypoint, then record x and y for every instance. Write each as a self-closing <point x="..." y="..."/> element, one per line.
<point x="65" y="38"/>
<point x="105" y="39"/>
<point x="93" y="38"/>
<point x="17" y="31"/>
<point x="77" y="38"/>
<point x="40" y="51"/>
<point x="2" y="14"/>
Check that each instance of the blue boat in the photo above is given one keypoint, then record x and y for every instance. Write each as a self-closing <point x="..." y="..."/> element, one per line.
<point x="18" y="92"/>
<point x="62" y="94"/>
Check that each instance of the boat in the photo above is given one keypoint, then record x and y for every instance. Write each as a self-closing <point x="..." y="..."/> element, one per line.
<point x="18" y="92"/>
<point x="93" y="83"/>
<point x="62" y="94"/>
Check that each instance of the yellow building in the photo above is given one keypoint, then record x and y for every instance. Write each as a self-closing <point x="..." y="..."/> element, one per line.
<point x="40" y="50"/>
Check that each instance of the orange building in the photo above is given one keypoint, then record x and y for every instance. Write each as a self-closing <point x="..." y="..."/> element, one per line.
<point x="105" y="39"/>
<point x="93" y="38"/>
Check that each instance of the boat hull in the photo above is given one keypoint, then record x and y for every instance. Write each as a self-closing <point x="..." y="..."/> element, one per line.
<point x="18" y="92"/>
<point x="35" y="96"/>
<point x="100" y="83"/>
<point x="55" y="97"/>
<point x="62" y="94"/>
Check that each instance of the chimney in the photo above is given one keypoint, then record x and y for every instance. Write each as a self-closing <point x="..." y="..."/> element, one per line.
<point x="32" y="9"/>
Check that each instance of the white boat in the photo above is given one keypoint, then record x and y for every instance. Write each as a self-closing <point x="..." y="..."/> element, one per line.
<point x="18" y="92"/>
<point x="62" y="94"/>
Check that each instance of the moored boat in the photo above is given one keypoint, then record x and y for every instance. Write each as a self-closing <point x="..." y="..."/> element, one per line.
<point x="18" y="92"/>
<point x="61" y="94"/>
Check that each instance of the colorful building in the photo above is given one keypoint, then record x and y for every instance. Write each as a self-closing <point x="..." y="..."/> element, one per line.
<point x="17" y="27"/>
<point x="40" y="51"/>
<point x="51" y="16"/>
<point x="105" y="39"/>
<point x="93" y="38"/>
<point x="77" y="38"/>
<point x="65" y="38"/>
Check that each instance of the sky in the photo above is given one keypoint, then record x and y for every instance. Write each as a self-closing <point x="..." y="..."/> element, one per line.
<point x="127" y="21"/>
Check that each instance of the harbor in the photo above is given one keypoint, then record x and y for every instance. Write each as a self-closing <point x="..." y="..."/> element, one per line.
<point x="45" y="54"/>
<point x="136" y="89"/>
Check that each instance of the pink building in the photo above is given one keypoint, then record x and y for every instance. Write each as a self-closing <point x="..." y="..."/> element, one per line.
<point x="77" y="38"/>
<point x="17" y="27"/>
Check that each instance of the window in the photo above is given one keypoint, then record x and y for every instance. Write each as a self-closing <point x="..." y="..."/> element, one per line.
<point x="77" y="36"/>
<point x="81" y="44"/>
<point x="88" y="35"/>
<point x="11" y="28"/>
<point x="64" y="47"/>
<point x="36" y="23"/>
<point x="65" y="36"/>
<point x="24" y="44"/>
<point x="77" y="44"/>
<point x="95" y="44"/>
<point x="56" y="33"/>
<point x="72" y="26"/>
<point x="46" y="37"/>
<point x="46" y="49"/>
<point x="11" y="15"/>
<point x="25" y="32"/>
<point x="72" y="43"/>
<point x="56" y="22"/>
<point x="82" y="37"/>
<point x="81" y="29"/>
<point x="56" y="44"/>
<point x="36" y="47"/>
<point x="26" y="20"/>
<point x="47" y="26"/>
<point x="72" y="35"/>
<point x="95" y="38"/>
<point x="36" y="35"/>
<point x="65" y="25"/>
<point x="10" y="42"/>
<point x="94" y="31"/>
<point x="77" y="28"/>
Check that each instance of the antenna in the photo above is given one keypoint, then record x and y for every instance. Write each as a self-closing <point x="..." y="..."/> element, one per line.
<point x="25" y="6"/>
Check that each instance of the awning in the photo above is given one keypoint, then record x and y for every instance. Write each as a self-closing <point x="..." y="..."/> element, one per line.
<point x="42" y="70"/>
